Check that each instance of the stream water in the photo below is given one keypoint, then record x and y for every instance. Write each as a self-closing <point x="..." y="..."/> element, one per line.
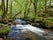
<point x="17" y="32"/>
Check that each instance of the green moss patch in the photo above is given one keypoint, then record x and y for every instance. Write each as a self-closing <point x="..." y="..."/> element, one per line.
<point x="4" y="29"/>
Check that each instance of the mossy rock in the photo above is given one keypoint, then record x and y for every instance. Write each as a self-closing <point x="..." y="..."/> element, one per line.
<point x="44" y="22"/>
<point x="49" y="22"/>
<point x="4" y="29"/>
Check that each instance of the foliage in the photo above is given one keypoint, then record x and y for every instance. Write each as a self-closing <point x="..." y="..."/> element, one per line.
<point x="29" y="9"/>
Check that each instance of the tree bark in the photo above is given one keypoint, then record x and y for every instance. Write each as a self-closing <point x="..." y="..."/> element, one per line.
<point x="35" y="7"/>
<point x="46" y="7"/>
<point x="6" y="9"/>
<point x="3" y="7"/>
<point x="25" y="12"/>
<point x="29" y="7"/>
<point x="11" y="10"/>
<point x="50" y="3"/>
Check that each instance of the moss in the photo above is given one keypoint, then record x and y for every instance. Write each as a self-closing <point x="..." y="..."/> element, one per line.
<point x="4" y="29"/>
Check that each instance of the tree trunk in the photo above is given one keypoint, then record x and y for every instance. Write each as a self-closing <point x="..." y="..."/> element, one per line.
<point x="50" y="3"/>
<point x="6" y="9"/>
<point x="35" y="7"/>
<point x="25" y="12"/>
<point x="3" y="7"/>
<point x="29" y="7"/>
<point x="11" y="10"/>
<point x="46" y="7"/>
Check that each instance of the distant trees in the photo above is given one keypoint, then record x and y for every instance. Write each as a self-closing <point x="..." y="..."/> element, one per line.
<point x="25" y="8"/>
<point x="4" y="5"/>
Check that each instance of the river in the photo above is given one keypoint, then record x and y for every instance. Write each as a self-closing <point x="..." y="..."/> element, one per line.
<point x="27" y="32"/>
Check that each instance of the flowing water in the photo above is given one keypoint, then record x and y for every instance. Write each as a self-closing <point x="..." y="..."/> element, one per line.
<point x="27" y="32"/>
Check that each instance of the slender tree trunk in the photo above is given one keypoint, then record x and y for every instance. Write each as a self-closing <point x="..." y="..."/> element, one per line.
<point x="50" y="3"/>
<point x="29" y="7"/>
<point x="25" y="12"/>
<point x="0" y="5"/>
<point x="3" y="7"/>
<point x="11" y="10"/>
<point x="46" y="7"/>
<point x="6" y="9"/>
<point x="45" y="4"/>
<point x="35" y="7"/>
<point x="6" y="6"/>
